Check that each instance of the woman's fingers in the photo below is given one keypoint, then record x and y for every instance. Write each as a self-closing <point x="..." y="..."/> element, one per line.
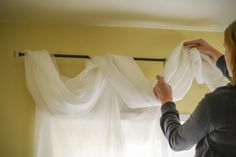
<point x="204" y="48"/>
<point x="193" y="43"/>
<point x="162" y="90"/>
<point x="159" y="77"/>
<point x="156" y="91"/>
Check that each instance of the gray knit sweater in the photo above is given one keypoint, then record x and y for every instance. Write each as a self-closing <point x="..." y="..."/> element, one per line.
<point x="212" y="126"/>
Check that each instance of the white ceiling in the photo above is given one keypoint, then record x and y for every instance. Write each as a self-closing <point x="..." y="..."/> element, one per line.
<point x="203" y="15"/>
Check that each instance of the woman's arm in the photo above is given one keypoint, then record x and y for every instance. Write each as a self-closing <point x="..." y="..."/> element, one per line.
<point x="184" y="137"/>
<point x="221" y="64"/>
<point x="181" y="137"/>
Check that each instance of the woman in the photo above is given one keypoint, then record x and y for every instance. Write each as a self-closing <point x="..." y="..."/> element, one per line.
<point x="212" y="126"/>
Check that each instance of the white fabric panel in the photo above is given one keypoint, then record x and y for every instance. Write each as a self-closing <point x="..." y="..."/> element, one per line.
<point x="109" y="109"/>
<point x="184" y="65"/>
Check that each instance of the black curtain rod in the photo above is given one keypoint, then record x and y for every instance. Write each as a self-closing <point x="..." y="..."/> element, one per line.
<point x="21" y="54"/>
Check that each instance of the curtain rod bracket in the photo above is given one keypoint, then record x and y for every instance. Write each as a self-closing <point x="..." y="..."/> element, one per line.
<point x="18" y="54"/>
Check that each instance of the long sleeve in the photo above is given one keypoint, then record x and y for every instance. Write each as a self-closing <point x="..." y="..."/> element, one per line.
<point x="183" y="137"/>
<point x="221" y="64"/>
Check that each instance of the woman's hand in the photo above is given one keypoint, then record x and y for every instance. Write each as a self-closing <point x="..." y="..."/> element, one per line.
<point x="162" y="90"/>
<point x="204" y="48"/>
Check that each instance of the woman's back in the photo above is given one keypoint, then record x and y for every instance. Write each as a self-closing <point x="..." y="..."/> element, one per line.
<point x="221" y="141"/>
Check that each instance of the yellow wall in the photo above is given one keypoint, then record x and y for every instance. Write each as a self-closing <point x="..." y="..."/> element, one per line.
<point x="16" y="105"/>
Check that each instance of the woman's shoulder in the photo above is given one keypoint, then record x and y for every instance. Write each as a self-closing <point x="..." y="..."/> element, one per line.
<point x="225" y="89"/>
<point x="221" y="103"/>
<point x="224" y="93"/>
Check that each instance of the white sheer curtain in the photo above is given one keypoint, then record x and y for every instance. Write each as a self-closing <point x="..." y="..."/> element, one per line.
<point x="185" y="64"/>
<point x="108" y="110"/>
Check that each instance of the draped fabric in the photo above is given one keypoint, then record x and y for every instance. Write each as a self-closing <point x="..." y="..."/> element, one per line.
<point x="109" y="109"/>
<point x="185" y="64"/>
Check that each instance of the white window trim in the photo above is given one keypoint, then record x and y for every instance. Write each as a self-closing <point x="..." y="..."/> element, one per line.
<point x="184" y="117"/>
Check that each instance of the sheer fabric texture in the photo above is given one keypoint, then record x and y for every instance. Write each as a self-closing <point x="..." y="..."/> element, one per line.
<point x="109" y="109"/>
<point x="185" y="64"/>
